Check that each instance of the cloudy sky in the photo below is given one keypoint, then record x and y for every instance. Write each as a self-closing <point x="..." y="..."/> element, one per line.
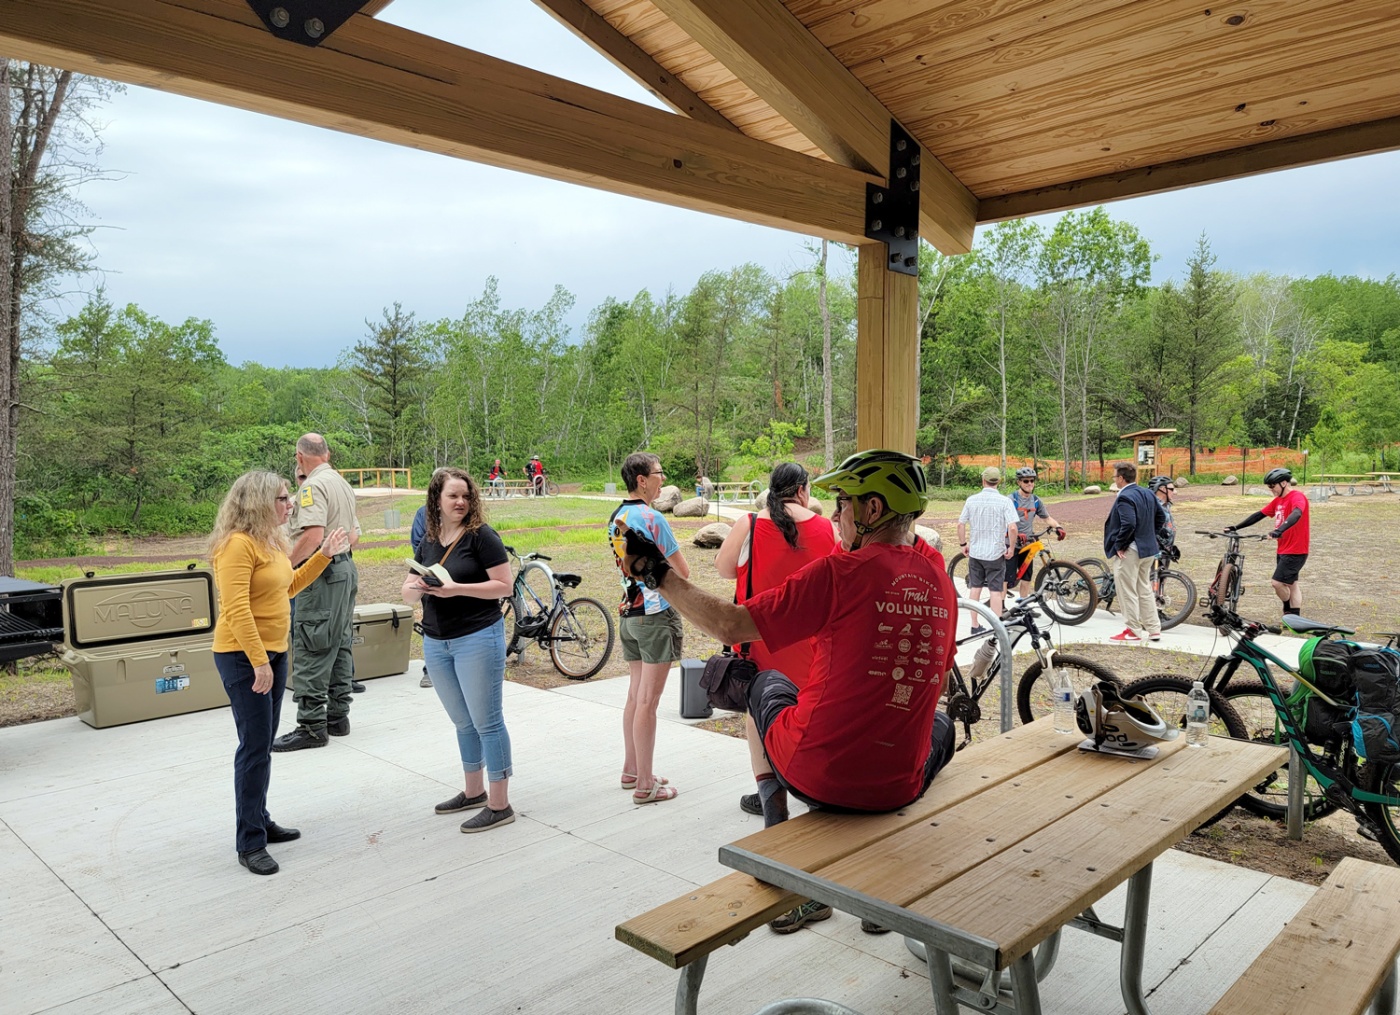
<point x="288" y="237"/>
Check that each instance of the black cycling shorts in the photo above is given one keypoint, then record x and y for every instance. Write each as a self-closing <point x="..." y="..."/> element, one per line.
<point x="1288" y="567"/>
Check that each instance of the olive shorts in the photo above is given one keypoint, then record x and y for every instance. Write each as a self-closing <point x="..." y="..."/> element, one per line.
<point x="651" y="637"/>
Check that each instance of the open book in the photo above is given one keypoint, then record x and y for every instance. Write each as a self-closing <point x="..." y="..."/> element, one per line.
<point x="432" y="574"/>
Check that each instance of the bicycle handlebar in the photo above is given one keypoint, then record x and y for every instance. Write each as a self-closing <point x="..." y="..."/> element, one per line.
<point x="1231" y="535"/>
<point x="529" y="556"/>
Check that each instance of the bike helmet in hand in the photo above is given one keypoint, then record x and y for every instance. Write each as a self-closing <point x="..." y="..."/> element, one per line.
<point x="1026" y="472"/>
<point x="1119" y="723"/>
<point x="1278" y="476"/>
<point x="895" y="476"/>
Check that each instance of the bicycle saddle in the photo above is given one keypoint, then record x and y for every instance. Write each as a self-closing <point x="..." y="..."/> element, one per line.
<point x="569" y="581"/>
<point x="1301" y="625"/>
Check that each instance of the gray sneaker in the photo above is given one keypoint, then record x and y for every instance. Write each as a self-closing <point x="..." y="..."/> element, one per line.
<point x="796" y="919"/>
<point x="427" y="681"/>
<point x="487" y="818"/>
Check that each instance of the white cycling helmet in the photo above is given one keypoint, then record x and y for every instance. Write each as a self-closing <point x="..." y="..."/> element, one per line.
<point x="1122" y="724"/>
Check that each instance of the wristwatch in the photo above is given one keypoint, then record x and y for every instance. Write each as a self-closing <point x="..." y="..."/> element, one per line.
<point x="652" y="571"/>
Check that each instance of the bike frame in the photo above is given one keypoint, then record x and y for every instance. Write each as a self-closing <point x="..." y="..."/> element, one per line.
<point x="1246" y="650"/>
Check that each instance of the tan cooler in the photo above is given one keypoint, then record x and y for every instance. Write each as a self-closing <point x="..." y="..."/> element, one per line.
<point x="140" y="646"/>
<point x="383" y="636"/>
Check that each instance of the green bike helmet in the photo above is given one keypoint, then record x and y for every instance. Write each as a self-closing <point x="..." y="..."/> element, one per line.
<point x="895" y="476"/>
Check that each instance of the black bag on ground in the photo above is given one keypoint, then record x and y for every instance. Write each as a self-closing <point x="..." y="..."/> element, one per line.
<point x="1376" y="726"/>
<point x="726" y="680"/>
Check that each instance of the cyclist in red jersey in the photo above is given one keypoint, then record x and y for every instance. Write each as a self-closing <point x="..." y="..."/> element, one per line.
<point x="1289" y="511"/>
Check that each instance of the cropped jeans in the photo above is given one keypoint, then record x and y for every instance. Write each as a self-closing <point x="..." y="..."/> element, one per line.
<point x="468" y="674"/>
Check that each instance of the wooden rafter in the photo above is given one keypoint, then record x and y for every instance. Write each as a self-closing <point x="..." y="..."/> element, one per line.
<point x="1304" y="150"/>
<point x="594" y="29"/>
<point x="375" y="7"/>
<point x="381" y="81"/>
<point x="772" y="53"/>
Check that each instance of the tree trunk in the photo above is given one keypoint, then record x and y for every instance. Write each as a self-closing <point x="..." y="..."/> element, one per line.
<point x="828" y="433"/>
<point x="9" y="330"/>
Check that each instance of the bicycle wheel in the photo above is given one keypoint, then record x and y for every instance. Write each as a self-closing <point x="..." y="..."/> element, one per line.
<point x="957" y="570"/>
<point x="1103" y="579"/>
<point x="1176" y="598"/>
<point x="581" y="638"/>
<point x="538" y="592"/>
<point x="551" y="488"/>
<point x="1071" y="594"/>
<point x="1223" y="589"/>
<point x="1167" y="694"/>
<point x="1385" y="816"/>
<point x="1035" y="694"/>
<point x="1269" y="798"/>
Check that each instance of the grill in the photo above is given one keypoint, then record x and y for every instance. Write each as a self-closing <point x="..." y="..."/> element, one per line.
<point x="31" y="619"/>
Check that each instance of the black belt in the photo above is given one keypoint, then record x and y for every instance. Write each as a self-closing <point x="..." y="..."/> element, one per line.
<point x="347" y="555"/>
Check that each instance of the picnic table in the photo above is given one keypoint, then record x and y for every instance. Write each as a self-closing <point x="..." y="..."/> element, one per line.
<point x="1019" y="837"/>
<point x="1386" y="480"/>
<point x="1352" y="481"/>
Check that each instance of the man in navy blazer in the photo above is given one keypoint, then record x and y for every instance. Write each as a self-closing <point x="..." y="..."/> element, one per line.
<point x="1130" y="544"/>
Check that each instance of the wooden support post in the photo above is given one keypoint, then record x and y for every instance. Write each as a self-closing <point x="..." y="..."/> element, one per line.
<point x="887" y="353"/>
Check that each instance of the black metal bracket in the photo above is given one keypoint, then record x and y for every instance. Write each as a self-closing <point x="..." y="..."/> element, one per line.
<point x="309" y="22"/>
<point x="892" y="213"/>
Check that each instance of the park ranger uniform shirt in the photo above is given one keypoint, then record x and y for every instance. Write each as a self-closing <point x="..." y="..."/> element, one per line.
<point x="325" y="499"/>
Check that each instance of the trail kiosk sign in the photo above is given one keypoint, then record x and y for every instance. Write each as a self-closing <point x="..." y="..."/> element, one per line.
<point x="1145" y="451"/>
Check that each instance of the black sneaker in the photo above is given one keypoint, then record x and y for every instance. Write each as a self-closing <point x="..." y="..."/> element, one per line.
<point x="487" y="818"/>
<point x="338" y="727"/>
<point x="750" y="803"/>
<point x="258" y="861"/>
<point x="276" y="833"/>
<point x="460" y="802"/>
<point x="796" y="919"/>
<point x="356" y="687"/>
<point x="299" y="739"/>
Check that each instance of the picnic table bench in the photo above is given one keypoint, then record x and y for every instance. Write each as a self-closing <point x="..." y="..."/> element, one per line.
<point x="1368" y="482"/>
<point x="506" y="488"/>
<point x="1337" y="955"/>
<point x="1016" y="839"/>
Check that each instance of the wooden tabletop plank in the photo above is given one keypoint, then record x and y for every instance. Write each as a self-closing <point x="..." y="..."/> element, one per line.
<point x="1325" y="960"/>
<point x="1020" y="896"/>
<point x="909" y="864"/>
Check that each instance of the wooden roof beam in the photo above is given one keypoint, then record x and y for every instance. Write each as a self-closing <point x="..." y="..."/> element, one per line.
<point x="381" y="81"/>
<point x="594" y="29"/>
<point x="1285" y="153"/>
<point x="774" y="54"/>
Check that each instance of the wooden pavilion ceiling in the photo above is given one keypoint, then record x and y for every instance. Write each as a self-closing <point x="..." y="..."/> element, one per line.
<point x="1042" y="104"/>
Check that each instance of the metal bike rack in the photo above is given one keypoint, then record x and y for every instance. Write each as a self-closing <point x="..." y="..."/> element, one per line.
<point x="1004" y="643"/>
<point x="1296" y="786"/>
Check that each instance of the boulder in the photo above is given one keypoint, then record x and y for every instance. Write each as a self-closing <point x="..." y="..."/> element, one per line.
<point x="712" y="535"/>
<point x="1182" y="481"/>
<point x="667" y="499"/>
<point x="1093" y="489"/>
<point x="1230" y="480"/>
<point x="930" y="536"/>
<point x="695" y="507"/>
<point x="762" y="501"/>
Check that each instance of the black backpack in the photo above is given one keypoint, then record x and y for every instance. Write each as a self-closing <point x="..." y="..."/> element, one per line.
<point x="1376" y="725"/>
<point x="1328" y="667"/>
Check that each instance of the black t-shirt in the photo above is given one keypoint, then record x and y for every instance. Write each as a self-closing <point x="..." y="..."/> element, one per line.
<point x="456" y="616"/>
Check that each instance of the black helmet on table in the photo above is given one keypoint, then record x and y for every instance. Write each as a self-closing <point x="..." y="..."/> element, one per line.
<point x="1123" y="724"/>
<point x="1026" y="472"/>
<point x="1278" y="476"/>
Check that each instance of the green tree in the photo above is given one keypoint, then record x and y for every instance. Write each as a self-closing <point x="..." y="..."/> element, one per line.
<point x="391" y="365"/>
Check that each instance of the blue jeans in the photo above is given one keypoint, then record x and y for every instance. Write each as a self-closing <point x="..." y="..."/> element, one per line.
<point x="255" y="716"/>
<point x="468" y="674"/>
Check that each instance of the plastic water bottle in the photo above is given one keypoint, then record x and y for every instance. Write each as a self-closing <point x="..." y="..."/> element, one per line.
<point x="1064" y="701"/>
<point x="1197" y="715"/>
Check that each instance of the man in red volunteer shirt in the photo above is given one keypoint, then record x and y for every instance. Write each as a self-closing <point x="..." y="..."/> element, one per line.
<point x="1289" y="510"/>
<point x="864" y="733"/>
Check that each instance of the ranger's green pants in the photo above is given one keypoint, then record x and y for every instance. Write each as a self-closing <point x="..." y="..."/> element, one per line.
<point x="322" y="630"/>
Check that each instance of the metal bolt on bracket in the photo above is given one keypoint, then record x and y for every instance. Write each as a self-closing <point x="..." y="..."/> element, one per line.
<point x="279" y="17"/>
<point x="315" y="27"/>
<point x="876" y="225"/>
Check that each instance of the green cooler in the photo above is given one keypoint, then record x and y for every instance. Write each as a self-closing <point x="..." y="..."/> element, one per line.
<point x="383" y="637"/>
<point x="141" y="646"/>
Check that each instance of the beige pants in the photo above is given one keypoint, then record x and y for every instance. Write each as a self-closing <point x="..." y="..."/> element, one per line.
<point x="1133" y="577"/>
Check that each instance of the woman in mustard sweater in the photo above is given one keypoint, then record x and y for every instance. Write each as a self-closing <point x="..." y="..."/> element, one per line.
<point x="255" y="581"/>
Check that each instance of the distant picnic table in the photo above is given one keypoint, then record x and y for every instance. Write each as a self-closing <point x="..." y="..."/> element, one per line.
<point x="1368" y="481"/>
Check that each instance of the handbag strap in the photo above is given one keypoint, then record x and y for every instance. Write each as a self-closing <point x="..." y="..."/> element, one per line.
<point x="748" y="575"/>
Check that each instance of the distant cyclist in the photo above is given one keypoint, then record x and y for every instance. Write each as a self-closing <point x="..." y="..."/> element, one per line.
<point x="497" y="478"/>
<point x="1289" y="510"/>
<point x="534" y="472"/>
<point x="1028" y="507"/>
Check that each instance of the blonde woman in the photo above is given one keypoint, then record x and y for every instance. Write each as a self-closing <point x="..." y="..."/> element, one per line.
<point x="256" y="582"/>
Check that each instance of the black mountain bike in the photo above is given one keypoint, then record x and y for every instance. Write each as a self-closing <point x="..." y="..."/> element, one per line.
<point x="1175" y="591"/>
<point x="578" y="634"/>
<point x="962" y="698"/>
<point x="1228" y="585"/>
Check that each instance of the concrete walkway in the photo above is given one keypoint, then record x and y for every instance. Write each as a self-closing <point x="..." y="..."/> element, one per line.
<point x="120" y="892"/>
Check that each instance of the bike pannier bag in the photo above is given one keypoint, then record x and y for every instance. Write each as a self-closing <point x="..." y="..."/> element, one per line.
<point x="726" y="681"/>
<point x="694" y="703"/>
<point x="1326" y="664"/>
<point x="1376" y="726"/>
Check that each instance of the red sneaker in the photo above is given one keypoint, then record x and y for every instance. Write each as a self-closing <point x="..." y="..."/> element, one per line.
<point x="1126" y="637"/>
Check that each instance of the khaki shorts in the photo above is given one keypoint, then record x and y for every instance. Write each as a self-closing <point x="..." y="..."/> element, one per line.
<point x="651" y="638"/>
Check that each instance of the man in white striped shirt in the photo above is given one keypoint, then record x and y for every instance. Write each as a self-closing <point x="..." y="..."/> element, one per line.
<point x="987" y="535"/>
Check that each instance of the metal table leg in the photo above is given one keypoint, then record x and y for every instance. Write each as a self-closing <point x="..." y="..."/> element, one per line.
<point x="1384" y="1001"/>
<point x="1135" y="941"/>
<point x="688" y="990"/>
<point x="940" y="974"/>
<point x="1024" y="986"/>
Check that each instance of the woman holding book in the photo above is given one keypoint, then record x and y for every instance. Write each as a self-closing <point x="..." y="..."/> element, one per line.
<point x="248" y="550"/>
<point x="464" y="644"/>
